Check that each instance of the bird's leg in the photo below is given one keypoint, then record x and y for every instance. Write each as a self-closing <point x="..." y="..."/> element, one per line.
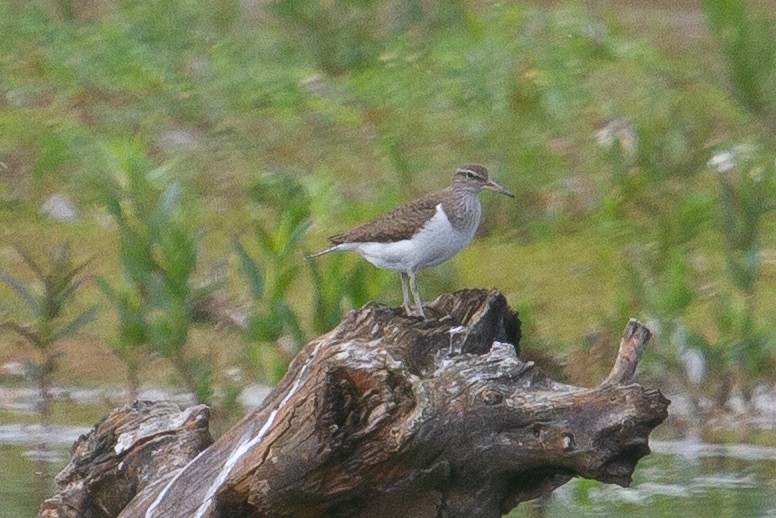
<point x="406" y="293"/>
<point x="416" y="293"/>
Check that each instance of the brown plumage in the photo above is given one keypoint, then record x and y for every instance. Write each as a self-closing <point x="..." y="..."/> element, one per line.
<point x="396" y="224"/>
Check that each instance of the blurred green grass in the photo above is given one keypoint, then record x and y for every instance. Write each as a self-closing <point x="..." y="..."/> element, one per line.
<point x="369" y="105"/>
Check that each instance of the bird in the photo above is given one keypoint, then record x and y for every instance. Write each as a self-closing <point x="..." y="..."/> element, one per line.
<point x="422" y="233"/>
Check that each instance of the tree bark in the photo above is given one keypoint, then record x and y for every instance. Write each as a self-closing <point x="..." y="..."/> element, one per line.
<point x="132" y="447"/>
<point x="393" y="416"/>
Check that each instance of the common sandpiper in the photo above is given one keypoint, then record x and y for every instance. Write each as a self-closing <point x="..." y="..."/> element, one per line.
<point x="422" y="233"/>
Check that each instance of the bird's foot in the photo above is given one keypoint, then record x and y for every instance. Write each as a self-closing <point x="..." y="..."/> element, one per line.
<point x="417" y="313"/>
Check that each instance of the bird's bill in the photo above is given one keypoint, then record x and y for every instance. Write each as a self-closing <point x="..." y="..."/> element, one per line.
<point x="493" y="186"/>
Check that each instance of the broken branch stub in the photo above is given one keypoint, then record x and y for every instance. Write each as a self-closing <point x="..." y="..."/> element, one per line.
<point x="390" y="416"/>
<point x="131" y="447"/>
<point x="632" y="344"/>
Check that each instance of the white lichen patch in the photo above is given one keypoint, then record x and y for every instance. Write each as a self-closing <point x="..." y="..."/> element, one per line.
<point x="369" y="356"/>
<point x="503" y="350"/>
<point x="161" y="424"/>
<point x="124" y="442"/>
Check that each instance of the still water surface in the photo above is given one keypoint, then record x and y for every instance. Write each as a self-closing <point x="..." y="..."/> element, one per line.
<point x="677" y="479"/>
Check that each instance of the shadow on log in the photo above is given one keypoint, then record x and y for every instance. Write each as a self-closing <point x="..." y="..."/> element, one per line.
<point x="384" y="416"/>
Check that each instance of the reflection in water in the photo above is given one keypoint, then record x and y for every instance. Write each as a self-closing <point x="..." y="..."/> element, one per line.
<point x="678" y="478"/>
<point x="27" y="477"/>
<point x="33" y="434"/>
<point x="32" y="454"/>
<point x="43" y="470"/>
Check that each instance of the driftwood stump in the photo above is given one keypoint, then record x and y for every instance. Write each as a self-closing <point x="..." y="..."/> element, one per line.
<point x="386" y="416"/>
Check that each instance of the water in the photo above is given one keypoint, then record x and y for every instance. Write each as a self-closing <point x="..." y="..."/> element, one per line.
<point x="677" y="479"/>
<point x="26" y="477"/>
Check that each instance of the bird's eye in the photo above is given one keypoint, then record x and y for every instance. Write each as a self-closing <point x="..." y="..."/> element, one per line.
<point x="471" y="175"/>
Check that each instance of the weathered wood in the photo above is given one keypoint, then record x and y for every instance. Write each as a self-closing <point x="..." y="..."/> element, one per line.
<point x="634" y="341"/>
<point x="390" y="416"/>
<point x="131" y="447"/>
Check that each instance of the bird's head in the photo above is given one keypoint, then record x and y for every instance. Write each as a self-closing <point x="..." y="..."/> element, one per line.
<point x="475" y="177"/>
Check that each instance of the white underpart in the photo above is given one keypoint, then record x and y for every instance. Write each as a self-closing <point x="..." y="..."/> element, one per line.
<point x="433" y="244"/>
<point x="245" y="445"/>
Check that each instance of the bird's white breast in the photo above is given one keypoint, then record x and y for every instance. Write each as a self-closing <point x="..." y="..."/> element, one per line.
<point x="436" y="242"/>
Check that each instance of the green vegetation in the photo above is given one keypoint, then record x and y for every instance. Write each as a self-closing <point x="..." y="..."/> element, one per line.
<point x="154" y="298"/>
<point x="51" y="322"/>
<point x="233" y="138"/>
<point x="270" y="281"/>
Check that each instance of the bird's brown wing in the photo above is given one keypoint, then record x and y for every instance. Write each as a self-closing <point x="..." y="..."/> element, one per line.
<point x="395" y="225"/>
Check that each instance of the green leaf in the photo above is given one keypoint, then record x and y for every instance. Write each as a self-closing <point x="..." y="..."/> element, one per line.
<point x="265" y="326"/>
<point x="23" y="292"/>
<point x="283" y="280"/>
<point x="747" y="39"/>
<point x="77" y="323"/>
<point x="168" y="328"/>
<point x="35" y="267"/>
<point x="168" y="204"/>
<point x="266" y="239"/>
<point x="112" y="198"/>
<point x="71" y="282"/>
<point x="291" y="322"/>
<point x="198" y="373"/>
<point x="251" y="270"/>
<point x="108" y="290"/>
<point x="677" y="294"/>
<point x="178" y="259"/>
<point x="200" y="293"/>
<point x="694" y="212"/>
<point x="27" y="333"/>
<point x="295" y="237"/>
